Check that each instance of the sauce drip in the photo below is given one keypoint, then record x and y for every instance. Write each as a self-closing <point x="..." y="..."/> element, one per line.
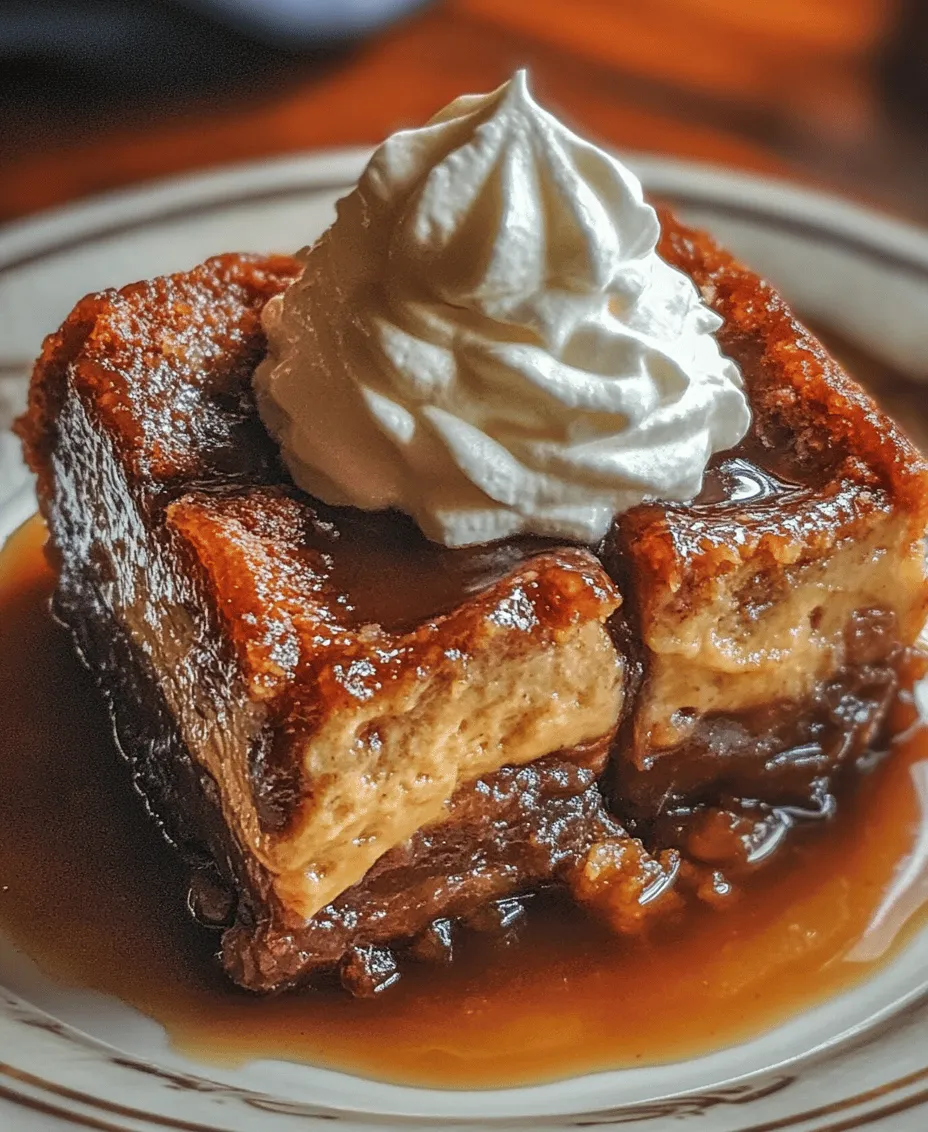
<point x="385" y="571"/>
<point x="89" y="890"/>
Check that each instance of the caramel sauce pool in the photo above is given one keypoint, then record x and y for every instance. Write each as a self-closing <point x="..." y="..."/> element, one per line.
<point x="90" y="892"/>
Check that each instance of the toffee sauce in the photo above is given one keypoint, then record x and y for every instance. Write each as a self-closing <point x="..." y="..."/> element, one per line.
<point x="89" y="890"/>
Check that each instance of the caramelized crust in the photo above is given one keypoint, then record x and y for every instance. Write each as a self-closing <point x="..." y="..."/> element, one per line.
<point x="368" y="733"/>
<point x="166" y="365"/>
<point x="804" y="403"/>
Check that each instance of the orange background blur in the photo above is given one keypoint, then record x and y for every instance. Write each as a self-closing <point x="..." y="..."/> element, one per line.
<point x="827" y="91"/>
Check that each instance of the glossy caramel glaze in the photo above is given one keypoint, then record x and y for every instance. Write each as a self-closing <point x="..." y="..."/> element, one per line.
<point x="88" y="889"/>
<point x="381" y="569"/>
<point x="278" y="564"/>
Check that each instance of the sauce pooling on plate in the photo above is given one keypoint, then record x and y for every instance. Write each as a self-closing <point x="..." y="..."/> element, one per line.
<point x="90" y="892"/>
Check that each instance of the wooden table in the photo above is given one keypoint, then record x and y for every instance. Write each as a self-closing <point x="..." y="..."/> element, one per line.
<point x="809" y="89"/>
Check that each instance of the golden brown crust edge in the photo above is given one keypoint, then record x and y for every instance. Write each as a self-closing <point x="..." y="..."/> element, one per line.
<point x="794" y="385"/>
<point x="860" y="470"/>
<point x="97" y="349"/>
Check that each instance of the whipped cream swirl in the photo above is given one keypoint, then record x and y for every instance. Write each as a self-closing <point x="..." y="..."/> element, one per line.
<point x="487" y="339"/>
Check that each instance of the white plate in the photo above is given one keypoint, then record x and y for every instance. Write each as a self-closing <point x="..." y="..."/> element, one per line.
<point x="859" y="1059"/>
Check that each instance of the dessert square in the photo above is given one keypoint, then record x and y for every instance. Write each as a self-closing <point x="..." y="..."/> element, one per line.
<point x="478" y="549"/>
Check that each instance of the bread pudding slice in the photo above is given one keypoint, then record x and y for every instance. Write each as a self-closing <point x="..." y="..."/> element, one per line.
<point x="773" y="613"/>
<point x="307" y="694"/>
<point x="368" y="736"/>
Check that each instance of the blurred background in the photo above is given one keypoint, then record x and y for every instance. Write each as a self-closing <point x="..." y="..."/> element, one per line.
<point x="96" y="94"/>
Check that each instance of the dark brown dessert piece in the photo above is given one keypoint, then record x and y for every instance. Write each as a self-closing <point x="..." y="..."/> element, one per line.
<point x="366" y="735"/>
<point x="774" y="612"/>
<point x="275" y="728"/>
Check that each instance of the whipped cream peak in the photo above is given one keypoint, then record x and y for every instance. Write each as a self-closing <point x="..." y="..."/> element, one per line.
<point x="487" y="339"/>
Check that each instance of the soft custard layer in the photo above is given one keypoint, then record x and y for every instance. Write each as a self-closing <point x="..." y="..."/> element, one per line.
<point x="370" y="732"/>
<point x="774" y="632"/>
<point x="391" y="768"/>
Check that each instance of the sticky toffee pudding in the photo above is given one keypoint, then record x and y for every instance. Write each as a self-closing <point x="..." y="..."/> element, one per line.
<point x="481" y="604"/>
<point x="573" y="718"/>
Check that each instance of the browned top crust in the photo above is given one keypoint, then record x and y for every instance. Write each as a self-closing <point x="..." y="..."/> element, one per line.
<point x="803" y="401"/>
<point x="839" y="464"/>
<point x="167" y="364"/>
<point x="278" y="570"/>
